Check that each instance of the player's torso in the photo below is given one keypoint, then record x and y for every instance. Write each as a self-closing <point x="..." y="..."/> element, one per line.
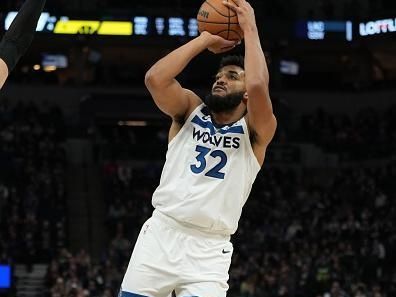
<point x="208" y="174"/>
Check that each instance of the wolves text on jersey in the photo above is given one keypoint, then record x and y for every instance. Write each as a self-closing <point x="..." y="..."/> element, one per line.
<point x="219" y="141"/>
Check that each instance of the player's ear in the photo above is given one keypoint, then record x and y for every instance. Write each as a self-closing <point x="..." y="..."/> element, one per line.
<point x="245" y="97"/>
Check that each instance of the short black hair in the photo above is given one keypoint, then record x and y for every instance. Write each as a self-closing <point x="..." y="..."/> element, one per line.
<point x="235" y="60"/>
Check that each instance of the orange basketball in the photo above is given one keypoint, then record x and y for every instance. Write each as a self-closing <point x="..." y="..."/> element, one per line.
<point x="218" y="19"/>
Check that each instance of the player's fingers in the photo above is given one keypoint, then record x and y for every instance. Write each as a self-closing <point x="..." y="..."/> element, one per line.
<point x="233" y="43"/>
<point x="239" y="2"/>
<point x="226" y="42"/>
<point x="231" y="6"/>
<point x="228" y="45"/>
<point x="236" y="2"/>
<point x="226" y="49"/>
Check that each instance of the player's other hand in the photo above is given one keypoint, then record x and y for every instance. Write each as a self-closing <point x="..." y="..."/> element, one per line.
<point x="217" y="44"/>
<point x="245" y="12"/>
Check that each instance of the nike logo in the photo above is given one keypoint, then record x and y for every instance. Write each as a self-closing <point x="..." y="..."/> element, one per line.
<point x="225" y="252"/>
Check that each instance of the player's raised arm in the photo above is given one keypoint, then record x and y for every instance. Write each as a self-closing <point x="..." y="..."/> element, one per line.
<point x="260" y="115"/>
<point x="160" y="80"/>
<point x="17" y="39"/>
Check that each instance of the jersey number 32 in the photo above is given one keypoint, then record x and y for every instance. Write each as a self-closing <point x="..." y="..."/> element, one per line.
<point x="201" y="159"/>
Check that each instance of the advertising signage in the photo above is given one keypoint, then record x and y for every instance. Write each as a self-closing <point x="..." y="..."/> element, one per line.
<point x="135" y="26"/>
<point x="382" y="27"/>
<point x="324" y="30"/>
<point x="175" y="26"/>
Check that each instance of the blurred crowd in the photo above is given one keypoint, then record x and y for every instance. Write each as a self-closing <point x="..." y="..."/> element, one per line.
<point x="148" y="142"/>
<point x="369" y="134"/>
<point x="304" y="236"/>
<point x="78" y="276"/>
<point x="366" y="135"/>
<point x="298" y="236"/>
<point x="32" y="182"/>
<point x="128" y="201"/>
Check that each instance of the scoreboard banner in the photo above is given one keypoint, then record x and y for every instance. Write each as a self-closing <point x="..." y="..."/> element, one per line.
<point x="346" y="30"/>
<point x="315" y="30"/>
<point x="324" y="30"/>
<point x="135" y="26"/>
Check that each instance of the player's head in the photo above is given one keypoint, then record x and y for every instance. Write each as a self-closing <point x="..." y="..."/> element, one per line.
<point x="228" y="90"/>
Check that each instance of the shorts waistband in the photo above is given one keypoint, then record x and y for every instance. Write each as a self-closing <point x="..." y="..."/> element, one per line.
<point x="188" y="228"/>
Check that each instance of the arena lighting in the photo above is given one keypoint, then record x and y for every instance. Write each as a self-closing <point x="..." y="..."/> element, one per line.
<point x="132" y="123"/>
<point x="289" y="67"/>
<point x="50" y="68"/>
<point x="54" y="60"/>
<point x="378" y="27"/>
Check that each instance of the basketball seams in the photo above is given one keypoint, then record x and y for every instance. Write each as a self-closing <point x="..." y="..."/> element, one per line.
<point x="228" y="31"/>
<point x="219" y="12"/>
<point x="219" y="19"/>
<point x="229" y="20"/>
<point x="237" y="33"/>
<point x="217" y="23"/>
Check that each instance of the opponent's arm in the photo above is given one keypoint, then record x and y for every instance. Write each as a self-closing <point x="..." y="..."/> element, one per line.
<point x="260" y="114"/>
<point x="3" y="72"/>
<point x="160" y="80"/>
<point x="19" y="36"/>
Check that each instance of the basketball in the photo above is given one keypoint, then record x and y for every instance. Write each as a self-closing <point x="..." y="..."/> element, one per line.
<point x="218" y="19"/>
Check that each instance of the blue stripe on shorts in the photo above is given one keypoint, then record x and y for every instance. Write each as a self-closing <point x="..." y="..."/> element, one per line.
<point x="128" y="294"/>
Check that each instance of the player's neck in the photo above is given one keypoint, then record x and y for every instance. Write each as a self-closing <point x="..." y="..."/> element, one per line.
<point x="229" y="117"/>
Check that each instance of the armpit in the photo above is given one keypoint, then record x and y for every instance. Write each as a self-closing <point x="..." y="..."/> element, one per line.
<point x="180" y="120"/>
<point x="253" y="136"/>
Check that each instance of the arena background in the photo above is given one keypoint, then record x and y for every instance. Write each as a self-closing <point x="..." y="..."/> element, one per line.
<point x="82" y="147"/>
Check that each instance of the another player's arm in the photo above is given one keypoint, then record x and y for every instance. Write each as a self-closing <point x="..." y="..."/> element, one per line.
<point x="19" y="36"/>
<point x="3" y="72"/>
<point x="168" y="94"/>
<point x="261" y="119"/>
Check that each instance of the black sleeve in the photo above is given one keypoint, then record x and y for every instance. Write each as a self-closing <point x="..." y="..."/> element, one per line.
<point x="17" y="39"/>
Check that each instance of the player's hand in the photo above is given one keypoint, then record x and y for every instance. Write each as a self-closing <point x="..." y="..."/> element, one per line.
<point x="245" y="13"/>
<point x="217" y="44"/>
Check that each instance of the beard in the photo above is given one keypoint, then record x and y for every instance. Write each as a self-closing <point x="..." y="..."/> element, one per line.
<point x="217" y="103"/>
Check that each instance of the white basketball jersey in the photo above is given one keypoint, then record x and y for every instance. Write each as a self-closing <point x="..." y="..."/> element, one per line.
<point x="208" y="174"/>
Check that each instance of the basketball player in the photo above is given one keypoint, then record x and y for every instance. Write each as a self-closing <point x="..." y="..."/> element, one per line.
<point x="216" y="148"/>
<point x="17" y="39"/>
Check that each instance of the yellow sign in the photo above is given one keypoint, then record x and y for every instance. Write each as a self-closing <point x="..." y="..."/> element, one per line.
<point x="93" y="27"/>
<point x="76" y="27"/>
<point x="115" y="28"/>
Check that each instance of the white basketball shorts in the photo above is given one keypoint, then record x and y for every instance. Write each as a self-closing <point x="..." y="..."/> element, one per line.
<point x="170" y="256"/>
